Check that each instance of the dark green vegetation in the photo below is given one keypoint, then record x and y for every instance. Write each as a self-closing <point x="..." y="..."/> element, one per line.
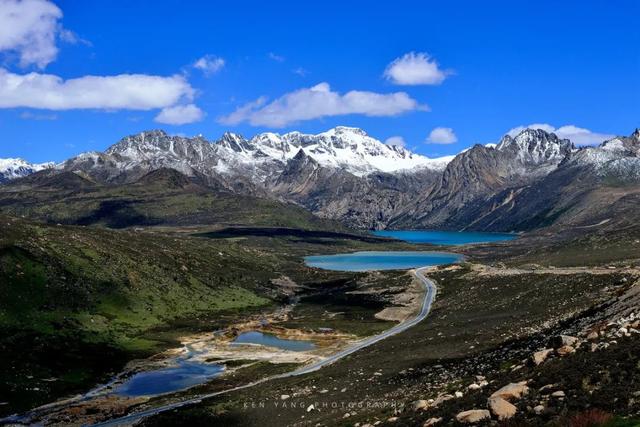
<point x="92" y="298"/>
<point x="162" y="197"/>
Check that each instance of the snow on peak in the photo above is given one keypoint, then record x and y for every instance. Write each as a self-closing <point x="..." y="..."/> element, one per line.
<point x="263" y="156"/>
<point x="353" y="150"/>
<point x="18" y="168"/>
<point x="343" y="147"/>
<point x="536" y="146"/>
<point x="619" y="156"/>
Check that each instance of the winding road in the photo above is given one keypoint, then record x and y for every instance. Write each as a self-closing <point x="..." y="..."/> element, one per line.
<point x="429" y="296"/>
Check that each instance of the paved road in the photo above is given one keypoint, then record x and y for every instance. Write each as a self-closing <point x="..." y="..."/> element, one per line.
<point x="429" y="296"/>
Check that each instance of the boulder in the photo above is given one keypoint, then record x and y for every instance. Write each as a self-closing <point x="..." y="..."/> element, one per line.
<point x="501" y="408"/>
<point x="458" y="394"/>
<point x="540" y="356"/>
<point x="432" y="422"/>
<point x="565" y="350"/>
<point x="562" y="340"/>
<point x="558" y="394"/>
<point x="474" y="386"/>
<point x="420" y="404"/>
<point x="440" y="399"/>
<point x="592" y="336"/>
<point x="512" y="391"/>
<point x="538" y="410"/>
<point x="473" y="416"/>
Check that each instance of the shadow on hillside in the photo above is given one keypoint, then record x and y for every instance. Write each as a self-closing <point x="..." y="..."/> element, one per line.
<point x="286" y="232"/>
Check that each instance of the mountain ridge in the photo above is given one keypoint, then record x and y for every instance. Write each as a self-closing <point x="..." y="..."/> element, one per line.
<point x="345" y="174"/>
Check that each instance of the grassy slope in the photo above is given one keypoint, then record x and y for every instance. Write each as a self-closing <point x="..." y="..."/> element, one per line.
<point x="96" y="297"/>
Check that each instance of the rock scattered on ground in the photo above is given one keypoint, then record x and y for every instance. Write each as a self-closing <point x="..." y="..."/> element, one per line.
<point x="473" y="416"/>
<point x="501" y="408"/>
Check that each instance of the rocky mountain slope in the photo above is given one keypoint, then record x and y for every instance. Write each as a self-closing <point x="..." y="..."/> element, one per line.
<point x="530" y="181"/>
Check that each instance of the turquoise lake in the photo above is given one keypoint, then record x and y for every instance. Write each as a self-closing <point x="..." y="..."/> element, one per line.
<point x="255" y="337"/>
<point x="445" y="237"/>
<point x="384" y="260"/>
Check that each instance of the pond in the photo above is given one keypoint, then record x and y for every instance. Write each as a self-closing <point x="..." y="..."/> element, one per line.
<point x="185" y="374"/>
<point x="255" y="337"/>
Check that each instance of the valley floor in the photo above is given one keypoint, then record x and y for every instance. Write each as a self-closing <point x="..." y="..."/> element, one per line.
<point x="487" y="323"/>
<point x="495" y="317"/>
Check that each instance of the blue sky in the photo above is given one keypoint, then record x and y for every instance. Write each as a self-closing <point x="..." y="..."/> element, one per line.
<point x="501" y="64"/>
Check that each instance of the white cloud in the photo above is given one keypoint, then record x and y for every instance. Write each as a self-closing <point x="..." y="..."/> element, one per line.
<point x="180" y="115"/>
<point x="209" y="64"/>
<point x="543" y="126"/>
<point x="124" y="91"/>
<point x="70" y="37"/>
<point x="577" y="135"/>
<point x="415" y="69"/>
<point x="320" y="101"/>
<point x="396" y="140"/>
<point x="29" y="28"/>
<point x="300" y="71"/>
<point x="442" y="135"/>
<point x="275" y="57"/>
<point x="28" y="115"/>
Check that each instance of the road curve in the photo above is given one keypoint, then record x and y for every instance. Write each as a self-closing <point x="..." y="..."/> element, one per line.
<point x="430" y="293"/>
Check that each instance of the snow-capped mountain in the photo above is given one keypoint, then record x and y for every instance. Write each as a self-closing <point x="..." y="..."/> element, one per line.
<point x="618" y="157"/>
<point x="531" y="180"/>
<point x="475" y="175"/>
<point x="535" y="147"/>
<point x="17" y="168"/>
<point x="259" y="159"/>
<point x="349" y="149"/>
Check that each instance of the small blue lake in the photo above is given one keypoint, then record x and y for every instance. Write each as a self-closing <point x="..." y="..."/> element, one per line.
<point x="186" y="374"/>
<point x="385" y="260"/>
<point x="255" y="337"/>
<point x="445" y="237"/>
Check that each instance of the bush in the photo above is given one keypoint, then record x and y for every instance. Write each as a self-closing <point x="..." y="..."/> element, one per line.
<point x="590" y="418"/>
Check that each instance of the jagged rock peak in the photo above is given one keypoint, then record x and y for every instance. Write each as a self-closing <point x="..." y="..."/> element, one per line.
<point x="536" y="146"/>
<point x="530" y="136"/>
<point x="233" y="141"/>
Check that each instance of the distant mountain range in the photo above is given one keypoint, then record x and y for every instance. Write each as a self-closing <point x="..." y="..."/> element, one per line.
<point x="523" y="182"/>
<point x="18" y="168"/>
